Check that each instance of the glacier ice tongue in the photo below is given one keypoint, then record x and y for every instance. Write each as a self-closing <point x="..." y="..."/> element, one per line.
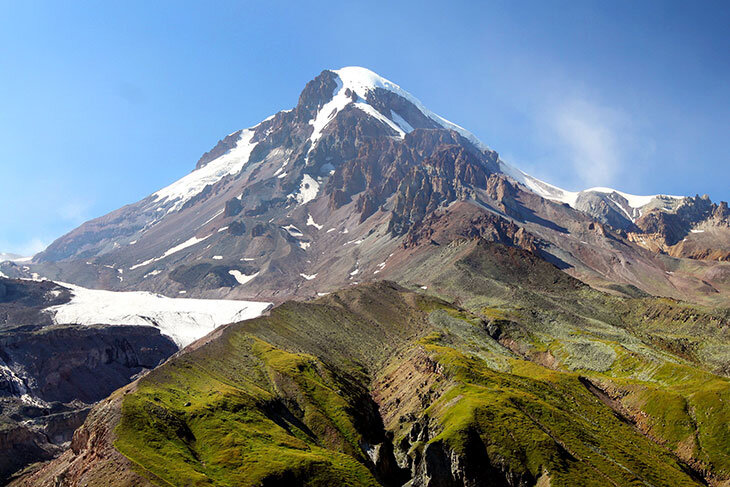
<point x="184" y="320"/>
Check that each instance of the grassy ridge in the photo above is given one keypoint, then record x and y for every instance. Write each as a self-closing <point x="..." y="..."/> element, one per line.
<point x="190" y="425"/>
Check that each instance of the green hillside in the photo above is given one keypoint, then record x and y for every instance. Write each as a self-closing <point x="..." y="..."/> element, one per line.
<point x="504" y="371"/>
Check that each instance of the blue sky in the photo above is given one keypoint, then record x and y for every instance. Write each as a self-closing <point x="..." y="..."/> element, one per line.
<point x="101" y="105"/>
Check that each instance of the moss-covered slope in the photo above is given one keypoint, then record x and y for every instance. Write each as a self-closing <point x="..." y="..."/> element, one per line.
<point x="503" y="371"/>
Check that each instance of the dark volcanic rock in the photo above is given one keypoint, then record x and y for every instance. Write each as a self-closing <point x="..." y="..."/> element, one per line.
<point x="237" y="228"/>
<point x="22" y="302"/>
<point x="233" y="207"/>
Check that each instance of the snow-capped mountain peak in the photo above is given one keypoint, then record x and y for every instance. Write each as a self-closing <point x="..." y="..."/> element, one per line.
<point x="630" y="205"/>
<point x="362" y="80"/>
<point x="357" y="153"/>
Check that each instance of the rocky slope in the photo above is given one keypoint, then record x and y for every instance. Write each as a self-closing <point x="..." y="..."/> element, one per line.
<point x="504" y="371"/>
<point x="339" y="181"/>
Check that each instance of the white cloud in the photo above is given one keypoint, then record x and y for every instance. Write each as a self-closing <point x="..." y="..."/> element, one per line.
<point x="591" y="138"/>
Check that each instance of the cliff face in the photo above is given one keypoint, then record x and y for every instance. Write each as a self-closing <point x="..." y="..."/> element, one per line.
<point x="51" y="374"/>
<point x="80" y="463"/>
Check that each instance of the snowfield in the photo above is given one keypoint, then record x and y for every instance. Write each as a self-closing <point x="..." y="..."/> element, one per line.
<point x="184" y="320"/>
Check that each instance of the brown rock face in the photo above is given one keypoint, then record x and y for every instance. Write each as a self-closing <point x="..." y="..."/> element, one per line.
<point x="676" y="233"/>
<point x="452" y="173"/>
<point x="92" y="458"/>
<point x="721" y="214"/>
<point x="424" y="170"/>
<point x="670" y="228"/>
<point x="315" y="94"/>
<point x="460" y="221"/>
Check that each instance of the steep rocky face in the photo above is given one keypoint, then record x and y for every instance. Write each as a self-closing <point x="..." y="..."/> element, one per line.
<point x="696" y="229"/>
<point x="612" y="209"/>
<point x="51" y="374"/>
<point x="65" y="363"/>
<point x="48" y="378"/>
<point x="459" y="221"/>
<point x="672" y="227"/>
<point x="79" y="463"/>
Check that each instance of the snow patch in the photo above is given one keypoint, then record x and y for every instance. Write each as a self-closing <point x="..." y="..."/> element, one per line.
<point x="213" y="217"/>
<point x="405" y="126"/>
<point x="241" y="277"/>
<point x="308" y="189"/>
<point x="217" y="257"/>
<point x="311" y="222"/>
<point x="308" y="277"/>
<point x="188" y="243"/>
<point x="293" y="231"/>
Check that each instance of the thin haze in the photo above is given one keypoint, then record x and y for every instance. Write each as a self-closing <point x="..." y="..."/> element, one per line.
<point x="101" y="105"/>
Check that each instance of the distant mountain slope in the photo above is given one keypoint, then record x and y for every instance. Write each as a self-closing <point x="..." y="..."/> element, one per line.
<point x="310" y="198"/>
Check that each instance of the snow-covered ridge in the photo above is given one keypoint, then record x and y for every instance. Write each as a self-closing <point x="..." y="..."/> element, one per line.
<point x="551" y="192"/>
<point x="229" y="163"/>
<point x="183" y="320"/>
